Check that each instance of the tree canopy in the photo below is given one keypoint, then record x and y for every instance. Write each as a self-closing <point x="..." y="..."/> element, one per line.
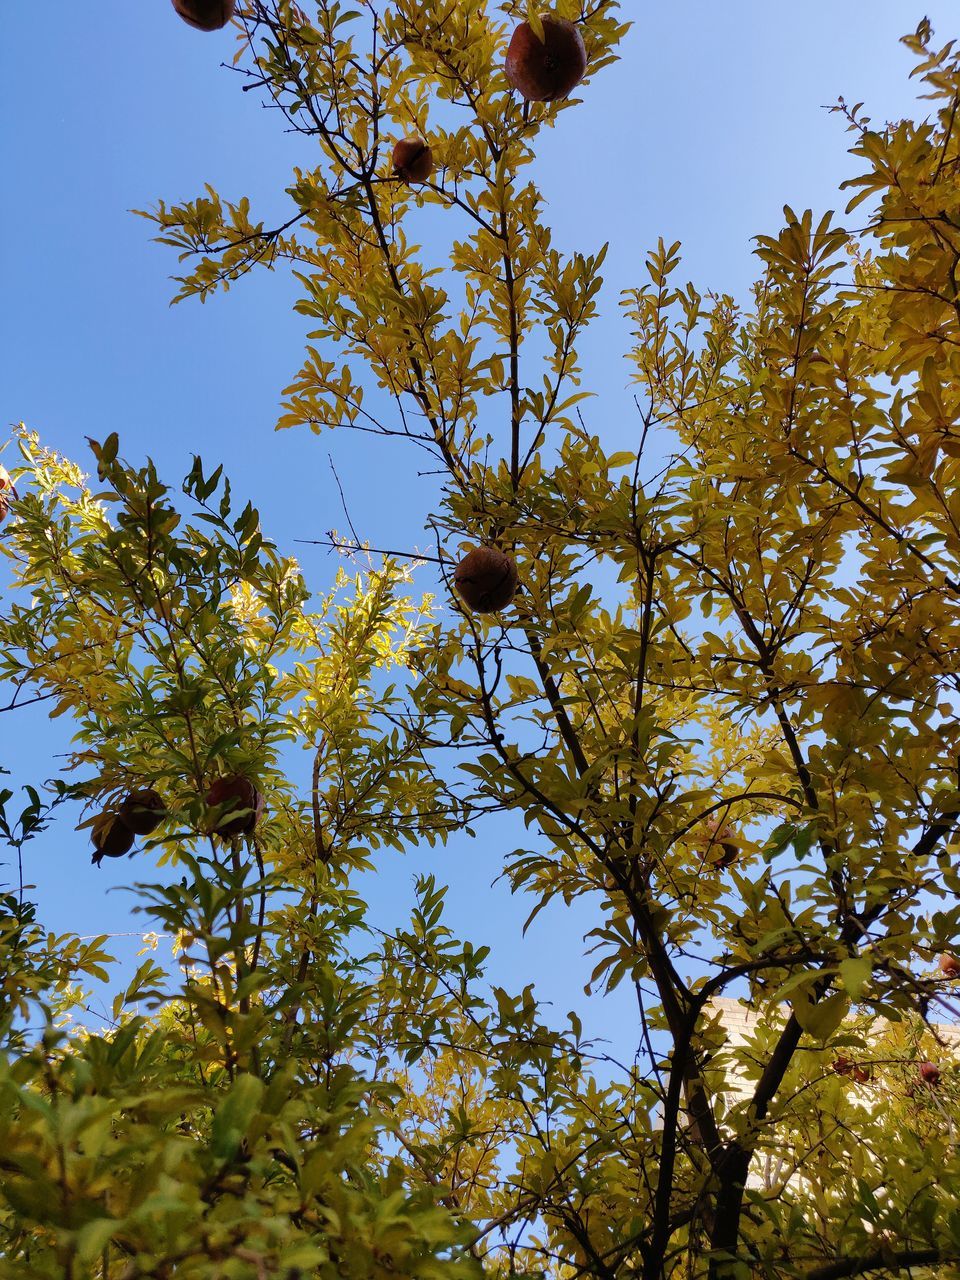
<point x="722" y="700"/>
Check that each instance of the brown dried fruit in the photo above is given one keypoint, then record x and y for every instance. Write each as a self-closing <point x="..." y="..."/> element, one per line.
<point x="206" y="15"/>
<point x="143" y="811"/>
<point x="544" y="70"/>
<point x="486" y="579"/>
<point x="239" y="805"/>
<point x="842" y="1066"/>
<point x="412" y="160"/>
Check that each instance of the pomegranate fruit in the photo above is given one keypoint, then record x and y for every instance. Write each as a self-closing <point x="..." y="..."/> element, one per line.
<point x="486" y="579"/>
<point x="206" y="15"/>
<point x="6" y="492"/>
<point x="142" y="811"/>
<point x="547" y="69"/>
<point x="722" y="849"/>
<point x="238" y="803"/>
<point x="412" y="160"/>
<point x="112" y="838"/>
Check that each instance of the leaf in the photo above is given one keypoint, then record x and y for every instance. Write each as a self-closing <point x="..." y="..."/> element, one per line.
<point x="535" y="20"/>
<point x="854" y="972"/>
<point x="93" y="1236"/>
<point x="234" y="1115"/>
<point x="822" y="1018"/>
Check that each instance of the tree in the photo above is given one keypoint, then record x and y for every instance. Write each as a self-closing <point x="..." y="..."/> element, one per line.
<point x="229" y="1130"/>
<point x="724" y="698"/>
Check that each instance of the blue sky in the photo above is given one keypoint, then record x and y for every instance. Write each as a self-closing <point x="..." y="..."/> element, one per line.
<point x="710" y="124"/>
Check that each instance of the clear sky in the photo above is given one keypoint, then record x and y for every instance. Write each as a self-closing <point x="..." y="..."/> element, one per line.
<point x="710" y="124"/>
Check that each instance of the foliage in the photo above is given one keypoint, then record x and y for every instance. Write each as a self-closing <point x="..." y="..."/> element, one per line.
<point x="230" y="1130"/>
<point x="742" y="630"/>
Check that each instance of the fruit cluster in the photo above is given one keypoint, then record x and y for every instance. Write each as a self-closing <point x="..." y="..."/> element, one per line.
<point x="845" y="1067"/>
<point x="928" y="1073"/>
<point x="235" y="803"/>
<point x="139" y="814"/>
<point x="541" y="69"/>
<point x="542" y="66"/>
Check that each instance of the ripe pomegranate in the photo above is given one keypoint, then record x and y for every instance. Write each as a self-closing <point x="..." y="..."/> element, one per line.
<point x="206" y="15"/>
<point x="544" y="70"/>
<point x="949" y="966"/>
<point x="142" y="811"/>
<point x="721" y="848"/>
<point x="412" y="160"/>
<point x="486" y="579"/>
<point x="112" y="838"/>
<point x="929" y="1073"/>
<point x="6" y="492"/>
<point x="238" y="803"/>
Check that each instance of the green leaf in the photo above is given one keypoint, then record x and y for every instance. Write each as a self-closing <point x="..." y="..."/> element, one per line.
<point x="820" y="1020"/>
<point x="92" y="1237"/>
<point x="854" y="972"/>
<point x="235" y="1114"/>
